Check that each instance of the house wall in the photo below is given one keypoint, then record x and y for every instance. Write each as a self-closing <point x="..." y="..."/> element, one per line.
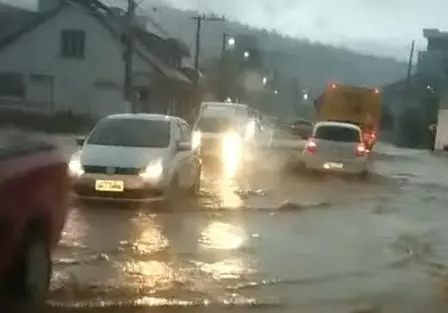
<point x="93" y="85"/>
<point x="442" y="130"/>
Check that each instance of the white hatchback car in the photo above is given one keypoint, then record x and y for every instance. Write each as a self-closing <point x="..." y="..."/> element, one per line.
<point x="337" y="147"/>
<point x="136" y="157"/>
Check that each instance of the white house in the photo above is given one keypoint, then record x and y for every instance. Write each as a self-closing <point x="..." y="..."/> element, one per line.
<point x="441" y="140"/>
<point x="68" y="56"/>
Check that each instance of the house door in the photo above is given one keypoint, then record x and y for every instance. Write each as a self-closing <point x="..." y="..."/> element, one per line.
<point x="40" y="91"/>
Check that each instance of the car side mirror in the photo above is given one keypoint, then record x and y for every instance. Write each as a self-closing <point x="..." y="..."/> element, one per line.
<point x="80" y="140"/>
<point x="184" y="146"/>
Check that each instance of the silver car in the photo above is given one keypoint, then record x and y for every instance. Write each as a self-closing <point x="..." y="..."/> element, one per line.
<point x="136" y="157"/>
<point x="336" y="147"/>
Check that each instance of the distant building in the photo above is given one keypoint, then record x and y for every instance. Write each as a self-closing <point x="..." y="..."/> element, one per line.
<point x="68" y="56"/>
<point x="433" y="62"/>
<point x="431" y="76"/>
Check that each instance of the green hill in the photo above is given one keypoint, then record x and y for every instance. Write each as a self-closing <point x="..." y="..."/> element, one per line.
<point x="315" y="64"/>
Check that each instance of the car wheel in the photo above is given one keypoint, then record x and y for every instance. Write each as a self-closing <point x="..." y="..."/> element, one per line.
<point x="31" y="277"/>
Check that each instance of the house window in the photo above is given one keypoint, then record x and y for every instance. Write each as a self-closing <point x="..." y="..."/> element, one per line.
<point x="73" y="43"/>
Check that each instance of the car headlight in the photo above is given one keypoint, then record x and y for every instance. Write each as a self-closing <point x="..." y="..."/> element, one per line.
<point x="153" y="171"/>
<point x="75" y="167"/>
<point x="196" y="139"/>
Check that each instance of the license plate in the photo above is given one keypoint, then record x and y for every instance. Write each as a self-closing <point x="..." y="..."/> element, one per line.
<point x="332" y="165"/>
<point x="109" y="185"/>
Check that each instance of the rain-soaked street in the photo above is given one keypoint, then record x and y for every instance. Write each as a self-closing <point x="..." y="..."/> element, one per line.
<point x="293" y="244"/>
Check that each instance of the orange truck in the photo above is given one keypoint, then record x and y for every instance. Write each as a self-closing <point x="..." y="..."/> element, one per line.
<point x="352" y="104"/>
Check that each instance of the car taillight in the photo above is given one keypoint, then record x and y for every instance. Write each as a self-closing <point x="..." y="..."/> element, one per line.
<point x="370" y="136"/>
<point x="311" y="146"/>
<point x="361" y="150"/>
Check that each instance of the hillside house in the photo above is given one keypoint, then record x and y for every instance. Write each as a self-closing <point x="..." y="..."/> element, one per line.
<point x="433" y="62"/>
<point x="68" y="56"/>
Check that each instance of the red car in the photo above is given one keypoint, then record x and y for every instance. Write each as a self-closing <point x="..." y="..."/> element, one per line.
<point x="34" y="189"/>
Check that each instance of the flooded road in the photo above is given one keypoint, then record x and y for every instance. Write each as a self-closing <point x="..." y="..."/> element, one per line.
<point x="293" y="244"/>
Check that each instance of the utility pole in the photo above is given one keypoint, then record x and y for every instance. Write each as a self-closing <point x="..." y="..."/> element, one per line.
<point x="128" y="68"/>
<point x="409" y="73"/>
<point x="224" y="42"/>
<point x="199" y="19"/>
<point x="197" y="42"/>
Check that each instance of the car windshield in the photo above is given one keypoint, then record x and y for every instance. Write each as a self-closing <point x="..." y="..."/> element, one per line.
<point x="215" y="124"/>
<point x="131" y="133"/>
<point x="337" y="133"/>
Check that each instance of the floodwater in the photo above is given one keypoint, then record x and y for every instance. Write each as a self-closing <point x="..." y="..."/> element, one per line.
<point x="276" y="241"/>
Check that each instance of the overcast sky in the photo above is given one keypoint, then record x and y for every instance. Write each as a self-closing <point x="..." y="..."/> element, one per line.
<point x="382" y="27"/>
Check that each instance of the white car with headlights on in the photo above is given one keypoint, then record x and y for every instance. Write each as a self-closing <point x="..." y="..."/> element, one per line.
<point x="136" y="157"/>
<point x="336" y="147"/>
<point x="229" y="140"/>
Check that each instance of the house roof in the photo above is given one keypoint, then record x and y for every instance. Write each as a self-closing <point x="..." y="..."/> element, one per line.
<point x="114" y="24"/>
<point x="16" y="22"/>
<point x="14" y="25"/>
<point x="179" y="44"/>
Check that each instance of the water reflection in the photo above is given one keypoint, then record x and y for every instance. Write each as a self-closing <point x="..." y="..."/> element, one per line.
<point x="221" y="179"/>
<point x="218" y="238"/>
<point x="154" y="275"/>
<point x="231" y="268"/>
<point x="135" y="256"/>
<point x="149" y="234"/>
<point x="226" y="194"/>
<point x="74" y="230"/>
<point x="153" y="269"/>
<point x="222" y="236"/>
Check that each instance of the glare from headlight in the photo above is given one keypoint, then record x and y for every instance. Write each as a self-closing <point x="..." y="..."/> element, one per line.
<point x="231" y="152"/>
<point x="196" y="139"/>
<point x="153" y="171"/>
<point x="75" y="167"/>
<point x="250" y="129"/>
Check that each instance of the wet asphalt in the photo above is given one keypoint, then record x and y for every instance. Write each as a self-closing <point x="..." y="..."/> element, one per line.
<point x="273" y="241"/>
